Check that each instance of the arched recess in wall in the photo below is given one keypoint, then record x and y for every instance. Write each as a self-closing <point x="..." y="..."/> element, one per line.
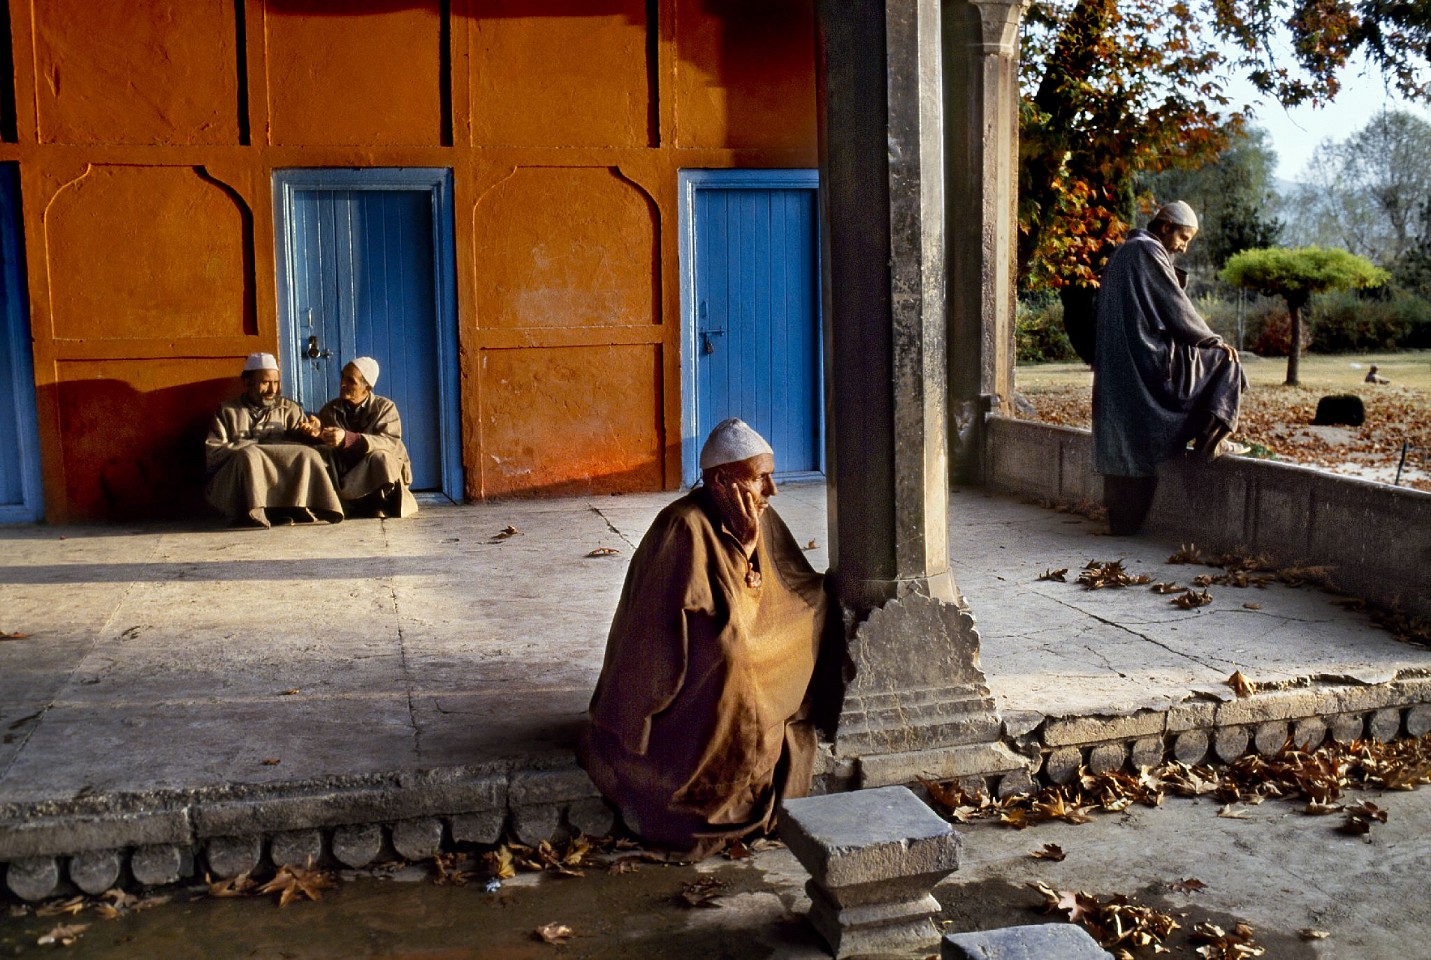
<point x="148" y="252"/>
<point x="566" y="247"/>
<point x="568" y="258"/>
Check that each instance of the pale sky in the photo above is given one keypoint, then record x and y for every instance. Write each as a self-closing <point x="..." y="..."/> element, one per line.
<point x="1295" y="133"/>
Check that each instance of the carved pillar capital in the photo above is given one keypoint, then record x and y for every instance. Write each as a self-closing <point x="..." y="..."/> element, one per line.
<point x="999" y="20"/>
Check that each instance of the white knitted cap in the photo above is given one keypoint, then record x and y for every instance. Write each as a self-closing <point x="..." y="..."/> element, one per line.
<point x="259" y="361"/>
<point x="368" y="367"/>
<point x="1178" y="213"/>
<point x="731" y="441"/>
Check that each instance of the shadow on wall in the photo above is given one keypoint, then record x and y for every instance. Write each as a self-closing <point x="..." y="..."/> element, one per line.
<point x="132" y="454"/>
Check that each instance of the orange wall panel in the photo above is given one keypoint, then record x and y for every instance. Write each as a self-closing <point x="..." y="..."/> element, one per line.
<point x="133" y="434"/>
<point x="366" y="72"/>
<point x="571" y="420"/>
<point x="144" y="71"/>
<point x="147" y="252"/>
<point x="560" y="73"/>
<point x="566" y="247"/>
<point x="745" y="73"/>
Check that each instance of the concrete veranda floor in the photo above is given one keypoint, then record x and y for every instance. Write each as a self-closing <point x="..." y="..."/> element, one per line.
<point x="162" y="657"/>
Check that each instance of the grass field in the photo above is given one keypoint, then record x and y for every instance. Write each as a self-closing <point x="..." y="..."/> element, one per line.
<point x="1276" y="419"/>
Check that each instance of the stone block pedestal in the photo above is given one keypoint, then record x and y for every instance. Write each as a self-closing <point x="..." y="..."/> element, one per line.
<point x="873" y="856"/>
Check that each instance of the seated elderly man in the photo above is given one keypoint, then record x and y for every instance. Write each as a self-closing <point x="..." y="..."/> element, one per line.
<point x="262" y="466"/>
<point x="363" y="433"/>
<point x="698" y="723"/>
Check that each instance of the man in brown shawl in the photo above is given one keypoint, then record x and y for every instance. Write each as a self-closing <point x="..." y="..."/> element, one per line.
<point x="262" y="466"/>
<point x="698" y="724"/>
<point x="363" y="434"/>
<point x="1161" y="376"/>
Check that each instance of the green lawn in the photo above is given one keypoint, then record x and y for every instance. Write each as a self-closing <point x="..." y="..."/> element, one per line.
<point x="1319" y="373"/>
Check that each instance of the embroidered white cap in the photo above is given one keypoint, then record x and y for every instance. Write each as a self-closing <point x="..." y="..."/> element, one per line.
<point x="368" y="367"/>
<point x="1178" y="213"/>
<point x="259" y="361"/>
<point x="731" y="441"/>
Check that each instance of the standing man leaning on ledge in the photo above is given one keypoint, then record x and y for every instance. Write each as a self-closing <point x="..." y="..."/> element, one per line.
<point x="262" y="467"/>
<point x="698" y="724"/>
<point x="1161" y="376"/>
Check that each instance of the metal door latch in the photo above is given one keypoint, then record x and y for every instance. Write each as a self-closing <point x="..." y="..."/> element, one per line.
<point x="706" y="345"/>
<point x="313" y="353"/>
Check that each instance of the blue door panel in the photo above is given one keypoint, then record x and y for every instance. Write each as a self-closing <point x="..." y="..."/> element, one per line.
<point x="20" y="499"/>
<point x="757" y="320"/>
<point x="362" y="275"/>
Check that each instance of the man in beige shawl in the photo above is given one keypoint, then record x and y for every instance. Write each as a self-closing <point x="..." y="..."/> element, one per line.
<point x="363" y="435"/>
<point x="262" y="466"/>
<point x="698" y="724"/>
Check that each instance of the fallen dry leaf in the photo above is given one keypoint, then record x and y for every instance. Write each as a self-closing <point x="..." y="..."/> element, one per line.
<point x="1097" y="576"/>
<point x="1050" y="851"/>
<point x="700" y="893"/>
<point x="239" y="886"/>
<point x="291" y="693"/>
<point x="504" y="533"/>
<point x="12" y="636"/>
<point x="1241" y="685"/>
<point x="1252" y="606"/>
<point x="1163" y="589"/>
<point x="555" y="933"/>
<point x="1226" y="811"/>
<point x="271" y="761"/>
<point x="500" y="863"/>
<point x="1307" y="933"/>
<point x="294" y="883"/>
<point x="65" y="935"/>
<point x="1060" y="575"/>
<point x="1189" y="600"/>
<point x="1187" y="885"/>
<point x="71" y="907"/>
<point x="811" y="544"/>
<point x="605" y="552"/>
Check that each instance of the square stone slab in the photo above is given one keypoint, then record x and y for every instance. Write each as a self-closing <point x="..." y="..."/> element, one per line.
<point x="868" y="836"/>
<point x="1039" y="941"/>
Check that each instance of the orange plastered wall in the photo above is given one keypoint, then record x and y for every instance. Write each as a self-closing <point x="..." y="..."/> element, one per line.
<point x="147" y="140"/>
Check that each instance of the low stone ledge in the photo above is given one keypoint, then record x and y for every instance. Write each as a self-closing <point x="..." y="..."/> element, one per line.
<point x="60" y="835"/>
<point x="1078" y="730"/>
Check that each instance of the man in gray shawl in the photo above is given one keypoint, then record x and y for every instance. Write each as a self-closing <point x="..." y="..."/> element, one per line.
<point x="262" y="466"/>
<point x="362" y="434"/>
<point x="1161" y="376"/>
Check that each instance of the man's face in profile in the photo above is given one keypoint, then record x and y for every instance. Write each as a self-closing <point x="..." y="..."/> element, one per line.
<point x="742" y="492"/>
<point x="353" y="388"/>
<point x="1174" y="238"/>
<point x="264" y="387"/>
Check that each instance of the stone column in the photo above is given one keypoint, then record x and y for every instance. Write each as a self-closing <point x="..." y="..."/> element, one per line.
<point x="981" y="100"/>
<point x="915" y="699"/>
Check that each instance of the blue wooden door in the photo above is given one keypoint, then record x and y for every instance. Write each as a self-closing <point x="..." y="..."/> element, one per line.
<point x="20" y="499"/>
<point x="364" y="279"/>
<point x="757" y="317"/>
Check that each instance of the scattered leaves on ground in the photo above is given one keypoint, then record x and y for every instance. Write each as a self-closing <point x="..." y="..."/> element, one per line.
<point x="1050" y="851"/>
<point x="1315" y="777"/>
<point x="1218" y="944"/>
<point x="1060" y="575"/>
<point x="1240" y="684"/>
<point x="554" y="933"/>
<point x="1117" y="922"/>
<point x="453" y="870"/>
<point x="1361" y="817"/>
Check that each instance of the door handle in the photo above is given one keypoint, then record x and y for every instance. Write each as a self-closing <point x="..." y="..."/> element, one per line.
<point x="707" y="346"/>
<point x="313" y="353"/>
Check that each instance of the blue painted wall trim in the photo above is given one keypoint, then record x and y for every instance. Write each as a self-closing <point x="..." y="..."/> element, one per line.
<point x="437" y="181"/>
<point x="19" y="377"/>
<point x="689" y="183"/>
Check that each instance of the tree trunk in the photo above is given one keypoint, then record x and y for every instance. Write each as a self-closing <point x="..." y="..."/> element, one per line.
<point x="1294" y="352"/>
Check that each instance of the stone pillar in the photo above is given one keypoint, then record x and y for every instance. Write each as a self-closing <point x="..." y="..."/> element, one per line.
<point x="981" y="101"/>
<point x="882" y="216"/>
<point x="914" y="697"/>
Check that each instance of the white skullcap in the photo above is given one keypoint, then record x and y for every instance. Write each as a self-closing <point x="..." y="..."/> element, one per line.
<point x="259" y="361"/>
<point x="368" y="367"/>
<point x="731" y="441"/>
<point x="1178" y="213"/>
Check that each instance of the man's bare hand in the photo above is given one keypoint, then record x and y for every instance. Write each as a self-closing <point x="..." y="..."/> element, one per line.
<point x="310" y="427"/>
<point x="332" y="436"/>
<point x="1231" y="351"/>
<point x="750" y="507"/>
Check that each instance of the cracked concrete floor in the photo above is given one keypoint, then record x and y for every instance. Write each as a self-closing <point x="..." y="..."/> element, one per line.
<point x="166" y="656"/>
